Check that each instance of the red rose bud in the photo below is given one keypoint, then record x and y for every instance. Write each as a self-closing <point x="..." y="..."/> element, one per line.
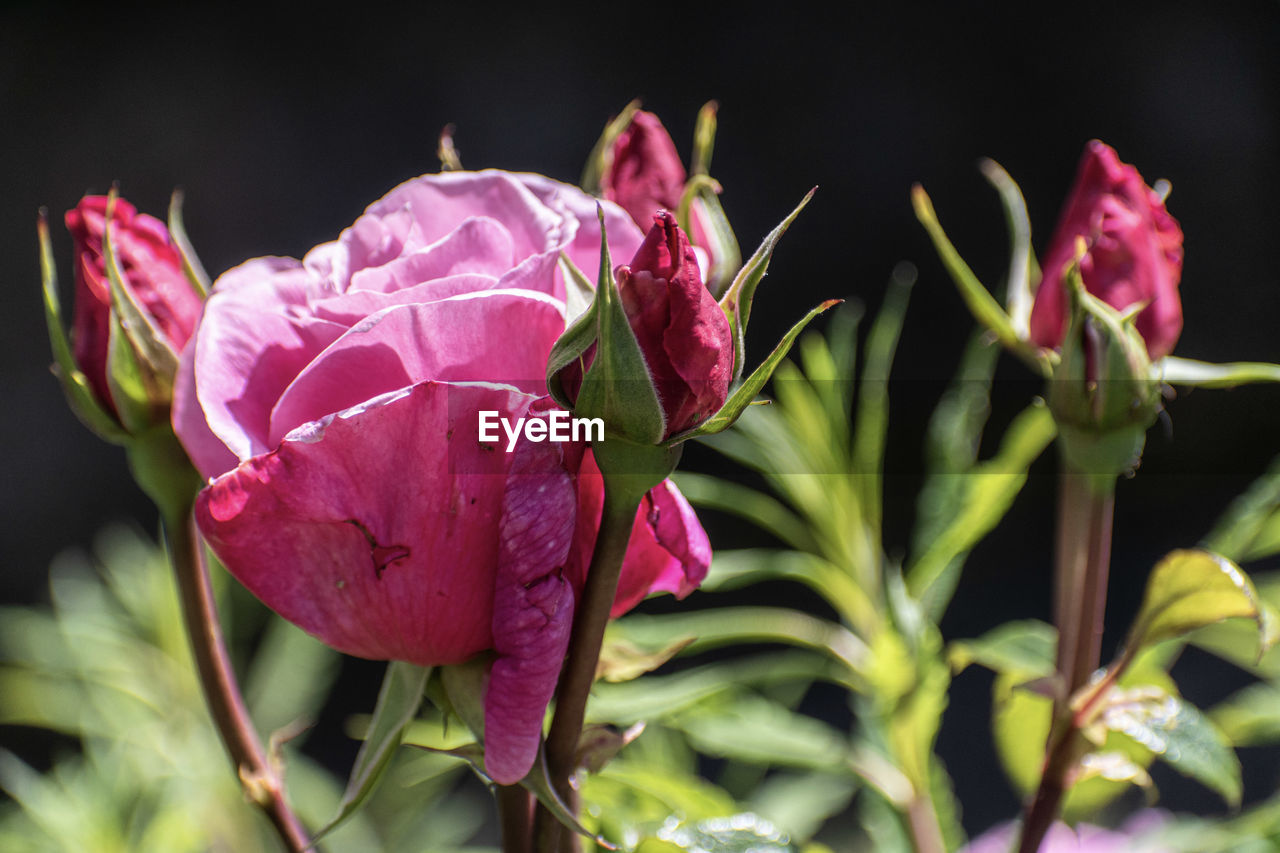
<point x="645" y="173"/>
<point x="683" y="333"/>
<point x="1133" y="253"/>
<point x="153" y="280"/>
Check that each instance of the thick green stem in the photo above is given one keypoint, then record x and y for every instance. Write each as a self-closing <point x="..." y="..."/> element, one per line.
<point x="590" y="619"/>
<point x="1086" y="509"/>
<point x="222" y="694"/>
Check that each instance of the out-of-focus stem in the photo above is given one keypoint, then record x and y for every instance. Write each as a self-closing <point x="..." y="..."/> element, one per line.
<point x="1085" y="512"/>
<point x="926" y="833"/>
<point x="221" y="692"/>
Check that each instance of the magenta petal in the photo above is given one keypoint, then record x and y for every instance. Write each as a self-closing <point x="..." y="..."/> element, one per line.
<point x="532" y="608"/>
<point x="668" y="552"/>
<point x="374" y="529"/>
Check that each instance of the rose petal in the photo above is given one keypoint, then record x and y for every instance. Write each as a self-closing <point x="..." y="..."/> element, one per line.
<point x="532" y="608"/>
<point x="493" y="336"/>
<point x="255" y="336"/>
<point x="374" y="529"/>
<point x="479" y="244"/>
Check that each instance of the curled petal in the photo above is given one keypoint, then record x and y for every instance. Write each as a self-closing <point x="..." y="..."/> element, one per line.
<point x="532" y="608"/>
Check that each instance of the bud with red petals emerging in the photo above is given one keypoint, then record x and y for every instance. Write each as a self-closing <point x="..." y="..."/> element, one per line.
<point x="151" y="274"/>
<point x="683" y="332"/>
<point x="645" y="173"/>
<point x="1133" y="253"/>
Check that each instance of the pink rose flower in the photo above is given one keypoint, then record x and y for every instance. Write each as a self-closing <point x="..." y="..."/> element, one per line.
<point x="151" y="270"/>
<point x="1134" y="253"/>
<point x="334" y="404"/>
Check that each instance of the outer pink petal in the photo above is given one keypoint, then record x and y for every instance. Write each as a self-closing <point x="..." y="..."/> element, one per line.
<point x="490" y="336"/>
<point x="375" y="529"/>
<point x="532" y="608"/>
<point x="253" y="339"/>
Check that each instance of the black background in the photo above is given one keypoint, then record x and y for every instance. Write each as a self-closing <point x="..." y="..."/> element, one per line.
<point x="283" y="124"/>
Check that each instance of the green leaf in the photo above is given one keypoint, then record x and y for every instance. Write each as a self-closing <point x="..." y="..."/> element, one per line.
<point x="983" y="306"/>
<point x="1250" y="527"/>
<point x="1179" y="735"/>
<point x="725" y="256"/>
<point x="763" y="510"/>
<point x="84" y="403"/>
<point x="621" y="659"/>
<point x="753" y="729"/>
<point x="989" y="490"/>
<point x="1024" y="649"/>
<point x="746" y="392"/>
<point x="737" y="300"/>
<point x="1203" y="374"/>
<point x="802" y="803"/>
<point x="872" y="421"/>
<point x="398" y="703"/>
<point x="1190" y="589"/>
<point x="1250" y="716"/>
<point x="727" y="625"/>
<point x="738" y="568"/>
<point x="290" y="678"/>
<point x="743" y="833"/>
<point x="191" y="266"/>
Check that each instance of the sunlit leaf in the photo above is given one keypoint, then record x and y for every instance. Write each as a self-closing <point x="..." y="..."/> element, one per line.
<point x="1024" y="648"/>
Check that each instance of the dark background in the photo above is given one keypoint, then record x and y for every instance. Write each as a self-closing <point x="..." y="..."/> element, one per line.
<point x="283" y="125"/>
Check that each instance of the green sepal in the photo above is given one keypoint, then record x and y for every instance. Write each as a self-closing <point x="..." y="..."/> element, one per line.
<point x="191" y="266"/>
<point x="744" y="395"/>
<point x="723" y="248"/>
<point x="446" y="153"/>
<point x="128" y="382"/>
<point x="155" y="352"/>
<point x="1023" y="269"/>
<point x="618" y="387"/>
<point x="578" y="337"/>
<point x="704" y="139"/>
<point x="1103" y="418"/>
<point x="985" y="309"/>
<point x="1203" y="374"/>
<point x="75" y="385"/>
<point x="601" y="156"/>
<point x="399" y="698"/>
<point x="736" y="302"/>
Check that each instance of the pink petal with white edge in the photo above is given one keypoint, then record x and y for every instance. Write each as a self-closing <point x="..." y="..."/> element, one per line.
<point x="493" y="336"/>
<point x="376" y="529"/>
<point x="532" y="608"/>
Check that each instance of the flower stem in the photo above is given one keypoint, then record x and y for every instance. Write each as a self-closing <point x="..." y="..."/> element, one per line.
<point x="1086" y="507"/>
<point x="589" y="621"/>
<point x="515" y="815"/>
<point x="922" y="820"/>
<point x="261" y="783"/>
